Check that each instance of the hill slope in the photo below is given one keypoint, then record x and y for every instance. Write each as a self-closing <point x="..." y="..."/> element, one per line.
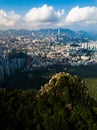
<point x="61" y="104"/>
<point x="66" y="98"/>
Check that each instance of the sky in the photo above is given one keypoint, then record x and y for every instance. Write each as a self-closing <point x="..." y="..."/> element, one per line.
<point x="37" y="14"/>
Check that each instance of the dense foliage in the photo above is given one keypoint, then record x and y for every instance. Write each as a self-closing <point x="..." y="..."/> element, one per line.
<point x="62" y="104"/>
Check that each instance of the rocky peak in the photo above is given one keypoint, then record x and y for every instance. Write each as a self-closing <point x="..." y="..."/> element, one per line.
<point x="66" y="86"/>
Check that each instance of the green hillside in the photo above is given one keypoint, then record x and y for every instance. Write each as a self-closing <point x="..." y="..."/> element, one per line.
<point x="62" y="104"/>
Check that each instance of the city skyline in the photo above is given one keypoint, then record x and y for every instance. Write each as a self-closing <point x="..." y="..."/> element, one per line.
<point x="76" y="15"/>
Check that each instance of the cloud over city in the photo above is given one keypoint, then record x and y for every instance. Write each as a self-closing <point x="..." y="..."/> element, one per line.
<point x="46" y="16"/>
<point x="87" y="15"/>
<point x="43" y="16"/>
<point x="8" y="18"/>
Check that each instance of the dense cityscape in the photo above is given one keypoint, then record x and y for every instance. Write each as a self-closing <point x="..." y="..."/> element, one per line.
<point x="43" y="49"/>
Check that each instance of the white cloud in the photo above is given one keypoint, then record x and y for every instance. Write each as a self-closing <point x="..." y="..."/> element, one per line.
<point x="47" y="17"/>
<point x="8" y="18"/>
<point x="44" y="14"/>
<point x="85" y="15"/>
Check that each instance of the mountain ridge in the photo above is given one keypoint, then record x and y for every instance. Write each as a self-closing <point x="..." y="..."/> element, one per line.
<point x="66" y="31"/>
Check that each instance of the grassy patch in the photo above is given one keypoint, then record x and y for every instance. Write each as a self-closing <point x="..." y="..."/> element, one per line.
<point x="91" y="84"/>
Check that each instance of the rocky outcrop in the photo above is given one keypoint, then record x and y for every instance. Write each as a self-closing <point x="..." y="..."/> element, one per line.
<point x="65" y="85"/>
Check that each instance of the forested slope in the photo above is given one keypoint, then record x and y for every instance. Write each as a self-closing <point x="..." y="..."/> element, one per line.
<point x="61" y="104"/>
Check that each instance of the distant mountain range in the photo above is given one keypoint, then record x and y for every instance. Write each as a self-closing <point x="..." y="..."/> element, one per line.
<point x="66" y="32"/>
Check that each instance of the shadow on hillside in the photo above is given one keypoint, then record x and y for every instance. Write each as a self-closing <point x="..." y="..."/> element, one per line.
<point x="89" y="71"/>
<point x="36" y="79"/>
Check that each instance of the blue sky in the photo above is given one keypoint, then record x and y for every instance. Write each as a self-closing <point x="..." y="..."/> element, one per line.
<point x="24" y="5"/>
<point x="34" y="14"/>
